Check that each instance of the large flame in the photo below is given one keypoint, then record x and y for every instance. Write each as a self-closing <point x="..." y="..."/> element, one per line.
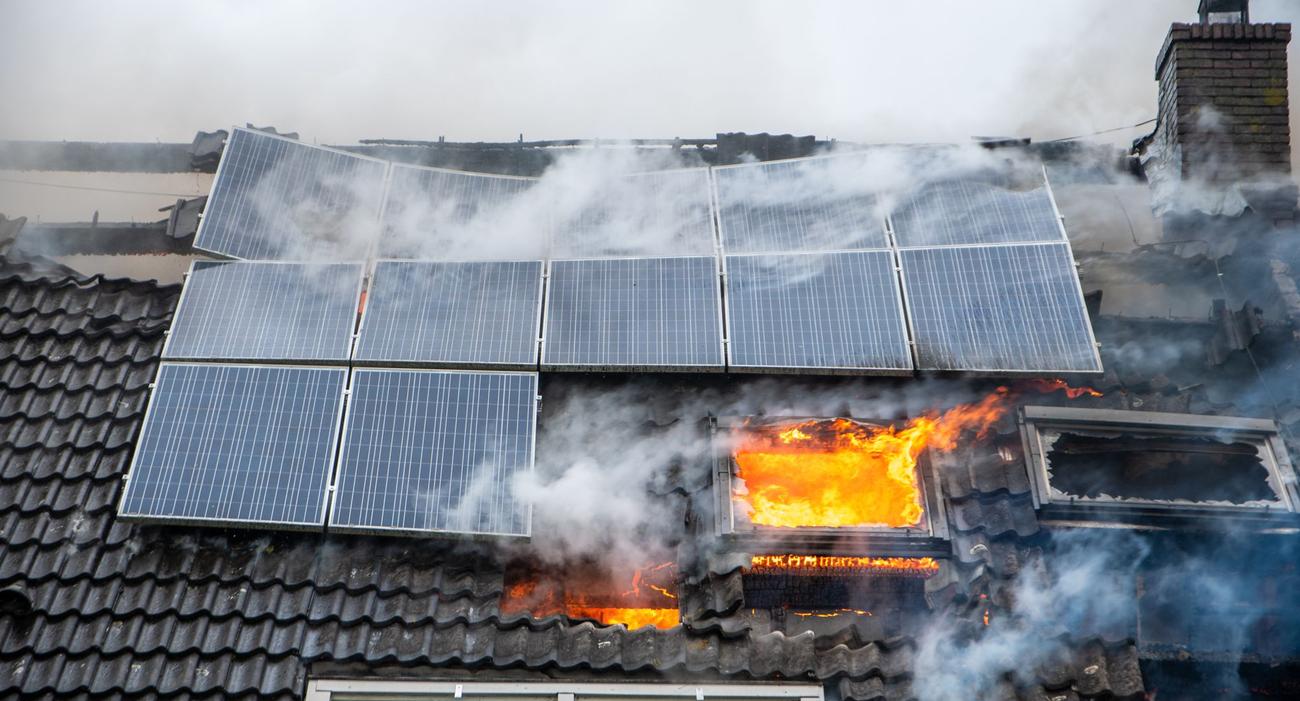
<point x="842" y="566"/>
<point x="645" y="601"/>
<point x="837" y="473"/>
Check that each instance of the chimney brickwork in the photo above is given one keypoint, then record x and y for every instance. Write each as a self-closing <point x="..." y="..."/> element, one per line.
<point x="1224" y="113"/>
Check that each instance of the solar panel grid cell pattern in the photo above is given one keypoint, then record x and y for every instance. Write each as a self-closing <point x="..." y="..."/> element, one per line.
<point x="833" y="310"/>
<point x="629" y="313"/>
<point x="436" y="451"/>
<point x="1012" y="308"/>
<point x="277" y="199"/>
<point x="956" y="212"/>
<point x="266" y="311"/>
<point x="461" y="313"/>
<point x="426" y="206"/>
<point x="657" y="213"/>
<point x="794" y="206"/>
<point x="237" y="443"/>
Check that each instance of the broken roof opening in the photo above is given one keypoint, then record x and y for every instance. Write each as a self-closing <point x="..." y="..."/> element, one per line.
<point x="1090" y="463"/>
<point x="642" y="597"/>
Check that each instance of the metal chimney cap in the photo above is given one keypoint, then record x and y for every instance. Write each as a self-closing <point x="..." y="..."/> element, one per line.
<point x="1229" y="11"/>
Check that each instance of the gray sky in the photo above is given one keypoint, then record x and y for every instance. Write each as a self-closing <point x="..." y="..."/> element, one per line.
<point x="919" y="70"/>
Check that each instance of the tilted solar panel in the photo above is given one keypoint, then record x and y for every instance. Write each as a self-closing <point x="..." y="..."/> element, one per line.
<point x="998" y="308"/>
<point x="633" y="313"/>
<point x="956" y="212"/>
<point x="266" y="311"/>
<point x="279" y="199"/>
<point x="644" y="214"/>
<point x="805" y="204"/>
<point x="432" y="213"/>
<point x="485" y="314"/>
<point x="237" y="444"/>
<point x="816" y="311"/>
<point x="428" y="451"/>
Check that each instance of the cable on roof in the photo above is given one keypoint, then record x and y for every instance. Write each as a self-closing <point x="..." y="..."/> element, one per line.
<point x="98" y="189"/>
<point x="1098" y="133"/>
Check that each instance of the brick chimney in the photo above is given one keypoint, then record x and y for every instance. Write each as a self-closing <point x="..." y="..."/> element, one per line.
<point x="1223" y="139"/>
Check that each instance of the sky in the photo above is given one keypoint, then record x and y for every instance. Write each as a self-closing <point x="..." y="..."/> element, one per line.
<point x="920" y="70"/>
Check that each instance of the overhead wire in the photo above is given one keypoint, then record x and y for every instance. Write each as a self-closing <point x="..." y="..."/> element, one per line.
<point x="1098" y="133"/>
<point x="20" y="181"/>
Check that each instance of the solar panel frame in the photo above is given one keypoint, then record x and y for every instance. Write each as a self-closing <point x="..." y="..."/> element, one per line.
<point x="904" y="330"/>
<point x="201" y="243"/>
<point x="548" y="315"/>
<point x="336" y="488"/>
<point x="380" y="252"/>
<point x="1060" y="236"/>
<point x="880" y="223"/>
<point x="360" y="360"/>
<point x="151" y="416"/>
<point x="168" y="350"/>
<point x="918" y="342"/>
<point x="562" y="250"/>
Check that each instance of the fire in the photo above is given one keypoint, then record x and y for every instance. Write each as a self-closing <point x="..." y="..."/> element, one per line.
<point x="830" y="614"/>
<point x="838" y="473"/>
<point x="642" y="603"/>
<point x="836" y="565"/>
<point x="1046" y="386"/>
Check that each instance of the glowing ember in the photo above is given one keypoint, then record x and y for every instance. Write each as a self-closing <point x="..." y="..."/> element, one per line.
<point x="830" y="614"/>
<point x="840" y="566"/>
<point x="837" y="473"/>
<point x="645" y="601"/>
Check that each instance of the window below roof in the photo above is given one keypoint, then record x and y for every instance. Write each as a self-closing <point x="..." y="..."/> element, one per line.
<point x="1146" y="467"/>
<point x="364" y="690"/>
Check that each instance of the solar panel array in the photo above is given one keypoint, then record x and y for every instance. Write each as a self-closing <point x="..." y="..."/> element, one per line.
<point x="453" y="314"/>
<point x="436" y="451"/>
<point x="237" y="444"/>
<point x="962" y="275"/>
<point x="266" y="311"/>
<point x="806" y="204"/>
<point x="430" y="212"/>
<point x="279" y="199"/>
<point x="633" y="313"/>
<point x="831" y="311"/>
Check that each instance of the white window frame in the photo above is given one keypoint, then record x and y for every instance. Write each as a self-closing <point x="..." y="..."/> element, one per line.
<point x="376" y="689"/>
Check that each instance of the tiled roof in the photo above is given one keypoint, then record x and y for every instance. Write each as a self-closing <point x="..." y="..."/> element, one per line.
<point x="119" y="610"/>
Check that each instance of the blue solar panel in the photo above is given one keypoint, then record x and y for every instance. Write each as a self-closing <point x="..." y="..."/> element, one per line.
<point x="436" y="451"/>
<point x="237" y="444"/>
<point x="453" y="314"/>
<point x="278" y="199"/>
<point x="817" y="311"/>
<point x="266" y="311"/>
<point x="956" y="212"/>
<point x="633" y="313"/>
<point x="645" y="214"/>
<point x="432" y="213"/>
<point x="806" y="204"/>
<point x="998" y="308"/>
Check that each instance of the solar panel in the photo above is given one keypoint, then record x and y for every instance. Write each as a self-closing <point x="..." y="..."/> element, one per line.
<point x="826" y="311"/>
<point x="633" y="313"/>
<point x="436" y="451"/>
<point x="956" y="212"/>
<point x="266" y="311"/>
<point x="806" y="204"/>
<point x="434" y="213"/>
<point x="998" y="308"/>
<point x="279" y="199"/>
<point x="237" y="444"/>
<point x="453" y="314"/>
<point x="643" y="214"/>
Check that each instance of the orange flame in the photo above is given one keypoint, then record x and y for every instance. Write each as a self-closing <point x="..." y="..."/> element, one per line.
<point x="830" y="614"/>
<point x="645" y="603"/>
<point x="837" y="565"/>
<point x="1053" y="385"/>
<point x="837" y="473"/>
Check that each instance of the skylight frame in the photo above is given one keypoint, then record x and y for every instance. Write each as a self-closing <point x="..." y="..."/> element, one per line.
<point x="1036" y="421"/>
<point x="930" y="538"/>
